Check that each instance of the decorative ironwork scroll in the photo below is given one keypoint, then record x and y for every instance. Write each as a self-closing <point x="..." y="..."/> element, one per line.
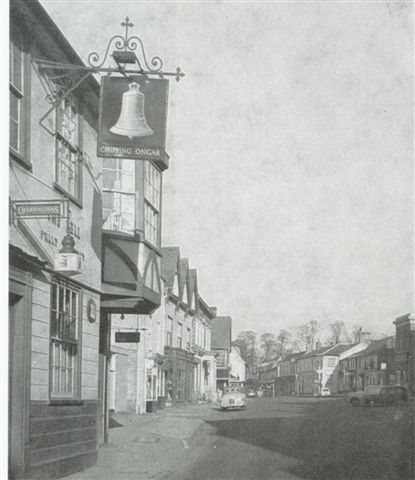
<point x="131" y="44"/>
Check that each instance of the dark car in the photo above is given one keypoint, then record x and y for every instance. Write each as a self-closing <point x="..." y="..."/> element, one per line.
<point x="378" y="395"/>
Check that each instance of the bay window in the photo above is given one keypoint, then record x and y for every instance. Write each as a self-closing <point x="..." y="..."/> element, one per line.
<point x="152" y="188"/>
<point x="119" y="198"/>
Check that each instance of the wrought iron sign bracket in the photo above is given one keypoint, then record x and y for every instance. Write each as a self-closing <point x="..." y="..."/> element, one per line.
<point x="60" y="79"/>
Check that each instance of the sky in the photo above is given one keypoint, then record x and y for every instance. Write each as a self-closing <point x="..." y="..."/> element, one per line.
<point x="290" y="185"/>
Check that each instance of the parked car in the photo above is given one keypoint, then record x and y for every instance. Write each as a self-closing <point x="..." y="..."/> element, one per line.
<point x="325" y="392"/>
<point x="378" y="395"/>
<point x="251" y="393"/>
<point x="233" y="397"/>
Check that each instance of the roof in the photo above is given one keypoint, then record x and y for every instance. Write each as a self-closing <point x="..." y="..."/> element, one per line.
<point x="169" y="261"/>
<point x="221" y="336"/>
<point x="340" y="348"/>
<point x="375" y="346"/>
<point x="332" y="350"/>
<point x="184" y="269"/>
<point x="192" y="290"/>
<point x="54" y="46"/>
<point x="293" y="356"/>
<point x="210" y="312"/>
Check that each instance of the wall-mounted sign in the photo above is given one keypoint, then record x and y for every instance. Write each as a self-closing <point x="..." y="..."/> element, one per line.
<point x="68" y="263"/>
<point x="132" y="118"/>
<point x="91" y="310"/>
<point x="37" y="209"/>
<point x="127" y="337"/>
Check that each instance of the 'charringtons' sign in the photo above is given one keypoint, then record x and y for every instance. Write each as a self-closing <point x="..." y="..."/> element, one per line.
<point x="132" y="118"/>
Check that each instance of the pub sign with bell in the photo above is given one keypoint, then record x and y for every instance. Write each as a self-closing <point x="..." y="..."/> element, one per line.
<point x="132" y="118"/>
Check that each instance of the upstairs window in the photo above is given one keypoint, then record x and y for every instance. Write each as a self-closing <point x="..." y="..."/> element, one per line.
<point x="331" y="362"/>
<point x="19" y="92"/>
<point x="152" y="189"/>
<point x="180" y="335"/>
<point x="68" y="162"/>
<point x="169" y="331"/>
<point x="221" y="358"/>
<point x="119" y="198"/>
<point x="188" y="338"/>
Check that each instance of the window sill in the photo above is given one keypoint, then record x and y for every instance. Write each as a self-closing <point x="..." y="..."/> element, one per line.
<point x="65" y="401"/>
<point x="120" y="234"/>
<point x="61" y="190"/>
<point x="18" y="158"/>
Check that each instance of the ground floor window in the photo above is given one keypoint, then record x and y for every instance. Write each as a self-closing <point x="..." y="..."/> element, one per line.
<point x="64" y="340"/>
<point x="151" y="384"/>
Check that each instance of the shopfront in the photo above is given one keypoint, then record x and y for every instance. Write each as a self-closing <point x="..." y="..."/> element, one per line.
<point x="180" y="375"/>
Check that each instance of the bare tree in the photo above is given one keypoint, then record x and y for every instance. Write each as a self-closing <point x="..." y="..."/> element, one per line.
<point x="337" y="330"/>
<point x="283" y="338"/>
<point x="306" y="334"/>
<point x="246" y="341"/>
<point x="269" y="346"/>
<point x="355" y="332"/>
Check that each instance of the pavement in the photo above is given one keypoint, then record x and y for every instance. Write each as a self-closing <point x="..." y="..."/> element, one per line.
<point x="146" y="447"/>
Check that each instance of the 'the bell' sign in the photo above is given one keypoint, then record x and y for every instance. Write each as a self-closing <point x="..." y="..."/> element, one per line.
<point x="132" y="118"/>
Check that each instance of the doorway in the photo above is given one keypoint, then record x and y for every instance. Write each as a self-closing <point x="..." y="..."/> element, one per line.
<point x="19" y="355"/>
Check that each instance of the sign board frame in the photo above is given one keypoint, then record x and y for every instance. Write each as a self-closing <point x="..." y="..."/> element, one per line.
<point x="127" y="337"/>
<point x="148" y="147"/>
<point x="37" y="209"/>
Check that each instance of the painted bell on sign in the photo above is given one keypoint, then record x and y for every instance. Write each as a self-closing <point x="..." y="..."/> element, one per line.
<point x="68" y="260"/>
<point x="132" y="122"/>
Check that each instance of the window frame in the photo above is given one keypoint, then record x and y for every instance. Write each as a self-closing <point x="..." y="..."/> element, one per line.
<point x="180" y="335"/>
<point x="122" y="193"/>
<point x="188" y="337"/>
<point x="221" y="354"/>
<point x="74" y="148"/>
<point x="23" y="125"/>
<point x="169" y="332"/>
<point x="76" y="382"/>
<point x="152" y="203"/>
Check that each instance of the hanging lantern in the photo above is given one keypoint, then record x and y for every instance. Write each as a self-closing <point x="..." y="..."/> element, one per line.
<point x="68" y="260"/>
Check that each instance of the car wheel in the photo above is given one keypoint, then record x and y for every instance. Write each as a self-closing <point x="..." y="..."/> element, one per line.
<point x="355" y="402"/>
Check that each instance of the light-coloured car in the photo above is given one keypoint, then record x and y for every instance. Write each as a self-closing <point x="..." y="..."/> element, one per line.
<point x="251" y="393"/>
<point x="325" y="392"/>
<point x="233" y="397"/>
<point x="378" y="395"/>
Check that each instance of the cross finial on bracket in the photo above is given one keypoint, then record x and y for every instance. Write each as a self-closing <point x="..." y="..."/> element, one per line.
<point x="127" y="24"/>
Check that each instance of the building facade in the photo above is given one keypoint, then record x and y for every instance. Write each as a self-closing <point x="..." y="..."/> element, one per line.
<point x="54" y="324"/>
<point x="286" y="384"/>
<point x="205" y="377"/>
<point x="320" y="368"/>
<point x="268" y="374"/>
<point x="373" y="365"/>
<point x="238" y="367"/>
<point x="221" y="346"/>
<point x="405" y="352"/>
